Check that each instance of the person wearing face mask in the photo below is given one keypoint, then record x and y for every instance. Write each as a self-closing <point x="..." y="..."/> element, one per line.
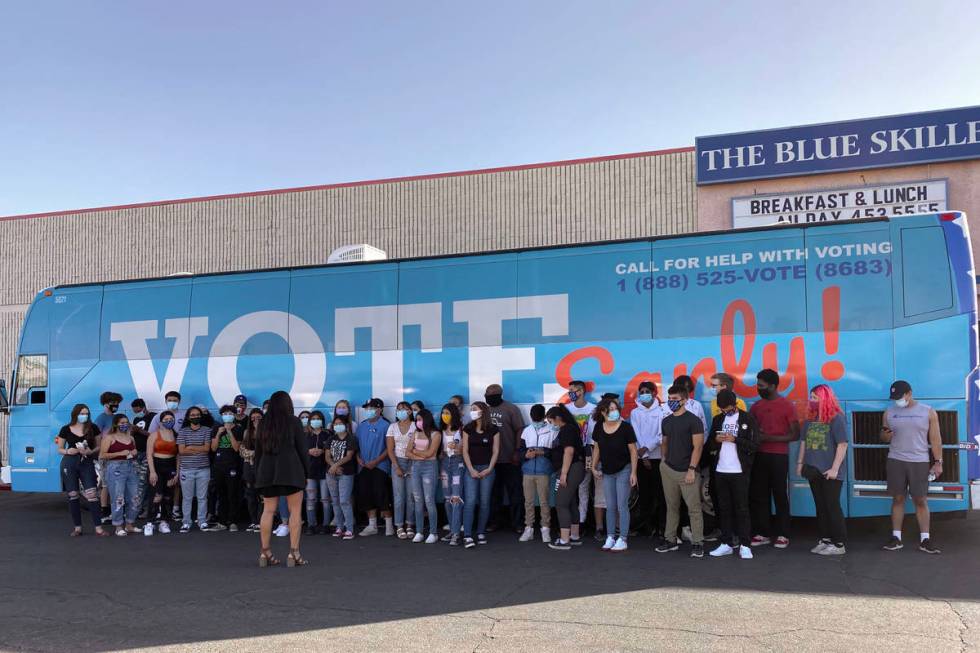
<point x="141" y="424"/>
<point x="423" y="450"/>
<point x="78" y="444"/>
<point x="614" y="452"/>
<point x="481" y="448"/>
<point x="646" y="419"/>
<point x="416" y="407"/>
<point x="110" y="405"/>
<point x="681" y="446"/>
<point x="247" y="451"/>
<point x="194" y="448"/>
<point x="911" y="430"/>
<point x="241" y="411"/>
<point x="732" y="443"/>
<point x="821" y="461"/>
<point x="460" y="402"/>
<point x="373" y="485"/>
<point x="778" y="426"/>
<point x="535" y="450"/>
<point x="568" y="459"/>
<point x="172" y="403"/>
<point x="316" y="480"/>
<point x="582" y="409"/>
<point x="397" y="439"/>
<point x="118" y="450"/>
<point x="226" y="439"/>
<point x="453" y="470"/>
<point x="304" y="419"/>
<point x="340" y="451"/>
<point x="719" y="382"/>
<point x="507" y="477"/>
<point x="162" y="461"/>
<point x="342" y="410"/>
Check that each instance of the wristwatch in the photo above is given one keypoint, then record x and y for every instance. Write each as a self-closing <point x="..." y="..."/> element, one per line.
<point x="692" y="468"/>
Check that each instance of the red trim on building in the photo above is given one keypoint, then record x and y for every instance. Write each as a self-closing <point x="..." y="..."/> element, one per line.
<point x="352" y="184"/>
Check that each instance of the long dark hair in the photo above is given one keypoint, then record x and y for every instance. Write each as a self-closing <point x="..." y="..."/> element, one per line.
<point x="88" y="429"/>
<point x="276" y="423"/>
<point x="428" y="423"/>
<point x="250" y="430"/>
<point x="562" y="413"/>
<point x="599" y="414"/>
<point x="484" y="421"/>
<point x="455" y="423"/>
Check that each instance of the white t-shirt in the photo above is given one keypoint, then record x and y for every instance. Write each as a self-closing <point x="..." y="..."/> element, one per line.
<point x="728" y="455"/>
<point x="451" y="443"/>
<point x="401" y="439"/>
<point x="583" y="416"/>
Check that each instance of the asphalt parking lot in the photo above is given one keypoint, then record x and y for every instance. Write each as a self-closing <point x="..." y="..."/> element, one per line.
<point x="204" y="592"/>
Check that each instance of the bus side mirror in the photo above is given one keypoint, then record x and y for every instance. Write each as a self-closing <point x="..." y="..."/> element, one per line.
<point x="4" y="404"/>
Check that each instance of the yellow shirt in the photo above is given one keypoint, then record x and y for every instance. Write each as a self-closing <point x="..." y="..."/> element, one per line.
<point x="715" y="410"/>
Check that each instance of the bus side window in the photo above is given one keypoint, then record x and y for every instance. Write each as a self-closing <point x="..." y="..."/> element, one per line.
<point x="925" y="271"/>
<point x="32" y="372"/>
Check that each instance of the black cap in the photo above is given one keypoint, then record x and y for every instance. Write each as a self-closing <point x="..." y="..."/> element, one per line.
<point x="898" y="389"/>
<point x="611" y="395"/>
<point x="374" y="402"/>
<point x="240" y="399"/>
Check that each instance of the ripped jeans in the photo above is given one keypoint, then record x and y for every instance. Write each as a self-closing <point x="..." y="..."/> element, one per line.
<point x="123" y="479"/>
<point x="425" y="474"/>
<point x="317" y="490"/>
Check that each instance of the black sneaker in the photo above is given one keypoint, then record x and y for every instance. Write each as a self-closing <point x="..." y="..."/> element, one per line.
<point x="575" y="541"/>
<point x="697" y="550"/>
<point x="713" y="536"/>
<point x="599" y="536"/>
<point x="311" y="530"/>
<point x="184" y="528"/>
<point x="468" y="543"/>
<point x="559" y="545"/>
<point x="481" y="539"/>
<point x="667" y="546"/>
<point x="926" y="547"/>
<point x="454" y="540"/>
<point x="893" y="544"/>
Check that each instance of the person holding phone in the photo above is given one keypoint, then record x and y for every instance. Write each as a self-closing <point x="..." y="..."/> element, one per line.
<point x="162" y="463"/>
<point x="821" y="461"/>
<point x="118" y="450"/>
<point x="534" y="450"/>
<point x="568" y="458"/>
<point x="78" y="444"/>
<point x="453" y="470"/>
<point x="682" y="445"/>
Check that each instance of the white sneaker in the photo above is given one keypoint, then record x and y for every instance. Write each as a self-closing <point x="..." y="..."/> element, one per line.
<point x="527" y="535"/>
<point x="721" y="550"/>
<point x="620" y="545"/>
<point x="389" y="529"/>
<point x="445" y="527"/>
<point x="833" y="550"/>
<point x="281" y="530"/>
<point x="821" y="545"/>
<point x="148" y="529"/>
<point x="686" y="534"/>
<point x="432" y="539"/>
<point x="418" y="538"/>
<point x="368" y="530"/>
<point x="164" y="528"/>
<point x="610" y="543"/>
<point x="546" y="535"/>
<point x="203" y="526"/>
<point x="745" y="553"/>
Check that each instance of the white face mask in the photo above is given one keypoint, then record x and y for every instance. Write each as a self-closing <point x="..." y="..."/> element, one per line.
<point x="902" y="403"/>
<point x="475" y="415"/>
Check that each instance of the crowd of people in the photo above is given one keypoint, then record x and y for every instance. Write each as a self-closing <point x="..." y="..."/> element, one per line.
<point x="456" y="474"/>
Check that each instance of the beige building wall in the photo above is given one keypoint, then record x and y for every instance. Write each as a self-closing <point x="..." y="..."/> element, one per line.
<point x="593" y="200"/>
<point x="963" y="188"/>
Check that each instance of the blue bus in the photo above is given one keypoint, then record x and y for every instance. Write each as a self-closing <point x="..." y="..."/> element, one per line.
<point x="855" y="305"/>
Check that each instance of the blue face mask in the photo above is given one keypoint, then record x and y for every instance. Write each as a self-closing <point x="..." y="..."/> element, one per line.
<point x="172" y="405"/>
<point x="539" y="425"/>
<point x="674" y="404"/>
<point x="305" y="421"/>
<point x="573" y="396"/>
<point x="612" y="415"/>
<point x="139" y="414"/>
<point x="82" y="418"/>
<point x="401" y="414"/>
<point x="227" y="418"/>
<point x="339" y="428"/>
<point x="168" y="424"/>
<point x="316" y="423"/>
<point x="645" y="398"/>
<point x="343" y="411"/>
<point x="711" y="391"/>
<point x="122" y="428"/>
<point x="370" y="413"/>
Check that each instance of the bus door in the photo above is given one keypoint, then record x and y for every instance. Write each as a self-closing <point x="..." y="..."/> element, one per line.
<point x="31" y="461"/>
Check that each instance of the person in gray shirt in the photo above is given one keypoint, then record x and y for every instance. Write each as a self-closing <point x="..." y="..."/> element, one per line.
<point x="911" y="430"/>
<point x="508" y="419"/>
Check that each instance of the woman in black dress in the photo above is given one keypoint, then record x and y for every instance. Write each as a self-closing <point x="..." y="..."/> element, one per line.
<point x="281" y="467"/>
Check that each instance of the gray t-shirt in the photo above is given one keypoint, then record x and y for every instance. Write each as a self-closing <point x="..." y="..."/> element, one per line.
<point x="507" y="417"/>
<point x="820" y="440"/>
<point x="910" y="429"/>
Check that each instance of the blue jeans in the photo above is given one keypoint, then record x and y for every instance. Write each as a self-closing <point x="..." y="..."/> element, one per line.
<point x="477" y="490"/>
<point x="424" y="477"/>
<point x="123" y="480"/>
<point x="453" y="470"/>
<point x="404" y="499"/>
<point x="340" y="488"/>
<point x="194" y="483"/>
<point x="316" y="490"/>
<point x="617" y="489"/>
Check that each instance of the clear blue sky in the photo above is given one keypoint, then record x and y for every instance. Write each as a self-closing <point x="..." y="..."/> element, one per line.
<point x="115" y="102"/>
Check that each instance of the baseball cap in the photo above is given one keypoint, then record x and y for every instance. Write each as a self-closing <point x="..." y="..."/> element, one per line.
<point x="374" y="402"/>
<point x="898" y="389"/>
<point x="240" y="399"/>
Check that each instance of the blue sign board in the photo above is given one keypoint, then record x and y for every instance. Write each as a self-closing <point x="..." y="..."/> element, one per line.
<point x="888" y="141"/>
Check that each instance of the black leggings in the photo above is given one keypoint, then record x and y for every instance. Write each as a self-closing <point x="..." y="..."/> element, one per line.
<point x="163" y="494"/>
<point x="566" y="499"/>
<point x="228" y="491"/>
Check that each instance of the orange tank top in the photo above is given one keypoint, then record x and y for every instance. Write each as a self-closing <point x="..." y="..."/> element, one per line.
<point x="165" y="447"/>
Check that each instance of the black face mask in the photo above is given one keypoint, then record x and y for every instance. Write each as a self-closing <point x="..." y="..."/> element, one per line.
<point x="113" y="408"/>
<point x="765" y="393"/>
<point x="494" y="399"/>
<point x="194" y="420"/>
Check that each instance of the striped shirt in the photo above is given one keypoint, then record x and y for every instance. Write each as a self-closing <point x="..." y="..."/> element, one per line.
<point x="189" y="437"/>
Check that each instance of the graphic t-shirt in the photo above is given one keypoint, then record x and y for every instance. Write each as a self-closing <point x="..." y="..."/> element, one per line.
<point x="338" y="449"/>
<point x="820" y="440"/>
<point x="583" y="417"/>
<point x="226" y="454"/>
<point x="728" y="462"/>
<point x="401" y="439"/>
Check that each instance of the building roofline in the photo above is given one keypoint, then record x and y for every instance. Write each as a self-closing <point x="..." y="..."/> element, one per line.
<point x="353" y="184"/>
